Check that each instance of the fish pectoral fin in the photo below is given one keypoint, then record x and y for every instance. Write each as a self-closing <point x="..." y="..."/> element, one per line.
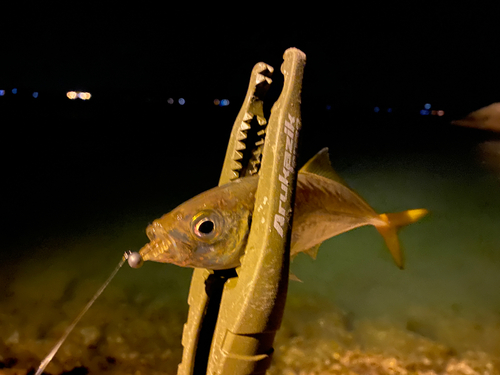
<point x="313" y="251"/>
<point x="291" y="276"/>
<point x="394" y="221"/>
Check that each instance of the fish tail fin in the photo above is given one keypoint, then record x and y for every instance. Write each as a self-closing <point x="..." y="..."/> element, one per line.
<point x="395" y="221"/>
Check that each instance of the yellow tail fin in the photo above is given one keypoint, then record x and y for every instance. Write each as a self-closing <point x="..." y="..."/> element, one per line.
<point x="394" y="222"/>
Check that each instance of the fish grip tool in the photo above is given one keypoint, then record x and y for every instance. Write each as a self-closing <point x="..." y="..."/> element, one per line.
<point x="234" y="314"/>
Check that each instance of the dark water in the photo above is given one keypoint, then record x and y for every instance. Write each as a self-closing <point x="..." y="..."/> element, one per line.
<point x="88" y="190"/>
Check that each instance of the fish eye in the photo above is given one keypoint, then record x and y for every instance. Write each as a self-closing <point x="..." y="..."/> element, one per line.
<point x="206" y="225"/>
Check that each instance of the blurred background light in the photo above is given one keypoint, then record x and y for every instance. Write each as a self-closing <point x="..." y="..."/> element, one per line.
<point x="84" y="95"/>
<point x="427" y="106"/>
<point x="182" y="101"/>
<point x="440" y="112"/>
<point x="2" y="92"/>
<point x="170" y="101"/>
<point x="424" y="112"/>
<point x="224" y="102"/>
<point x="328" y="107"/>
<point x="389" y="110"/>
<point x="14" y="91"/>
<point x="78" y="94"/>
<point x="216" y="101"/>
<point x="35" y="94"/>
<point x="376" y="109"/>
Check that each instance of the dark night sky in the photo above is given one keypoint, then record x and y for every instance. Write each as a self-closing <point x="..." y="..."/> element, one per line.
<point x="352" y="52"/>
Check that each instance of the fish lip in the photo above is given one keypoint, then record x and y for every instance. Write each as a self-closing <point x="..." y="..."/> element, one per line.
<point x="162" y="246"/>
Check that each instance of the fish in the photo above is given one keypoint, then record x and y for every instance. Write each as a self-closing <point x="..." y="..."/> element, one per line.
<point x="486" y="118"/>
<point x="211" y="230"/>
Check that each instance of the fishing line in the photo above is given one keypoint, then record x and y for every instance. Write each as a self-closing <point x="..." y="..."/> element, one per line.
<point x="54" y="350"/>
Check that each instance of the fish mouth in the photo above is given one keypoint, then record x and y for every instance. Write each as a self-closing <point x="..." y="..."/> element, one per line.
<point x="162" y="247"/>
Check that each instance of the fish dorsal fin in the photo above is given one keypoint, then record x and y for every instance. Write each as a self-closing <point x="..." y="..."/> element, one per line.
<point x="313" y="251"/>
<point x="320" y="164"/>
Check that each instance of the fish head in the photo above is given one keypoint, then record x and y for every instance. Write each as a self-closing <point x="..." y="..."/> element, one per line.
<point x="207" y="231"/>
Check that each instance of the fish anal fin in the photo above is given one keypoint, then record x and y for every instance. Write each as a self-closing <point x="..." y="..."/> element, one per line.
<point x="320" y="164"/>
<point x="313" y="251"/>
<point x="291" y="276"/>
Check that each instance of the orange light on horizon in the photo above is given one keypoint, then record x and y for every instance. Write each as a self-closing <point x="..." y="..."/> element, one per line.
<point x="78" y="94"/>
<point x="84" y="95"/>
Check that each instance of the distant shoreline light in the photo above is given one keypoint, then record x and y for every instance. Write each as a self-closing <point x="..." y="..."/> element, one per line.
<point x="221" y="103"/>
<point x="78" y="94"/>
